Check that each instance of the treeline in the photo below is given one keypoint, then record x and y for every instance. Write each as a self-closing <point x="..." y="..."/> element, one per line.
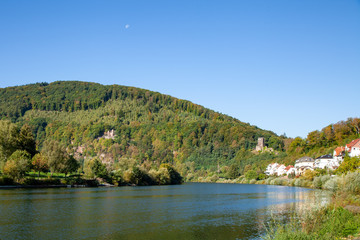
<point x="148" y="126"/>
<point x="19" y="156"/>
<point x="72" y="96"/>
<point x="323" y="142"/>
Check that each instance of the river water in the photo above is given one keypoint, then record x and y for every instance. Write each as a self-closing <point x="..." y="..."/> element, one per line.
<point x="189" y="211"/>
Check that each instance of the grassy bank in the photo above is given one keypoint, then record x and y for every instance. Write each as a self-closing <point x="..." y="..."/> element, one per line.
<point x="339" y="220"/>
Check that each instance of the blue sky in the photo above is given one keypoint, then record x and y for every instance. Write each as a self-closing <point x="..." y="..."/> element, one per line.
<point x="287" y="66"/>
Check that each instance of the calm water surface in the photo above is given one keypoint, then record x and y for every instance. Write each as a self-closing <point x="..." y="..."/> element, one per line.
<point x="188" y="211"/>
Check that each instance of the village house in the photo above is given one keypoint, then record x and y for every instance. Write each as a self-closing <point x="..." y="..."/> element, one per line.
<point x="305" y="162"/>
<point x="327" y="161"/>
<point x="339" y="153"/>
<point x="353" y="148"/>
<point x="281" y="170"/>
<point x="271" y="168"/>
<point x="290" y="170"/>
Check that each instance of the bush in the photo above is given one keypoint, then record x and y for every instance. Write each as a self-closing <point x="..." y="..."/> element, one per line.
<point x="252" y="181"/>
<point x="268" y="181"/>
<point x="332" y="184"/>
<point x="324" y="179"/>
<point x="278" y="181"/>
<point x="251" y="174"/>
<point x="298" y="182"/>
<point x="317" y="182"/>
<point x="352" y="182"/>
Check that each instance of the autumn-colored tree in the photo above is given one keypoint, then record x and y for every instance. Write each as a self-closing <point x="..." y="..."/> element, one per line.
<point x="40" y="163"/>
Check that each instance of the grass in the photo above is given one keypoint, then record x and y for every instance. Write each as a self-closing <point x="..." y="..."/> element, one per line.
<point x="326" y="223"/>
<point x="331" y="222"/>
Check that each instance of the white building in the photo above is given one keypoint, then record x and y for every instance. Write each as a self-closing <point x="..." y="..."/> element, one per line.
<point x="281" y="170"/>
<point x="339" y="154"/>
<point x="355" y="149"/>
<point x="271" y="168"/>
<point x="327" y="161"/>
<point x="290" y="170"/>
<point x="305" y="163"/>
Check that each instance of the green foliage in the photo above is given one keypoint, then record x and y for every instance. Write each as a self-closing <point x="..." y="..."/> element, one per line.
<point x="12" y="139"/>
<point x="233" y="172"/>
<point x="17" y="165"/>
<point x="352" y="183"/>
<point x="71" y="165"/>
<point x="40" y="163"/>
<point x="322" y="224"/>
<point x="349" y="164"/>
<point x="98" y="169"/>
<point x="56" y="155"/>
<point x="251" y="174"/>
<point x="149" y="126"/>
<point x="332" y="184"/>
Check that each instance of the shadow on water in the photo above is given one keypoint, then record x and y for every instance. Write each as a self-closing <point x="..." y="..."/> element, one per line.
<point x="188" y="211"/>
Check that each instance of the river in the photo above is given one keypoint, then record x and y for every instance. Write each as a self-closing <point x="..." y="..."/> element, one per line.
<point x="190" y="211"/>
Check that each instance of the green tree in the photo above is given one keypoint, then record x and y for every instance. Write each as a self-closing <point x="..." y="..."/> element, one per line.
<point x="56" y="155"/>
<point x="18" y="164"/>
<point x="70" y="165"/>
<point x="251" y="174"/>
<point x="40" y="163"/>
<point x="233" y="172"/>
<point x="8" y="139"/>
<point x="349" y="164"/>
<point x="98" y="169"/>
<point x="26" y="140"/>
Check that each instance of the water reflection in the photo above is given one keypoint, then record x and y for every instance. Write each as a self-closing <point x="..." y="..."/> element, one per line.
<point x="189" y="211"/>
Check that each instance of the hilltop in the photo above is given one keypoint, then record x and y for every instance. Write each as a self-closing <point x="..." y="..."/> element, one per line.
<point x="124" y="125"/>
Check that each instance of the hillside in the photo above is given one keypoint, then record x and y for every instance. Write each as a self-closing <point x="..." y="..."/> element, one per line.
<point x="122" y="124"/>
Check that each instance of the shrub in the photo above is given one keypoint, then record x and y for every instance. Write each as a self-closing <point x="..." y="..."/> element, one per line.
<point x="317" y="182"/>
<point x="278" y="181"/>
<point x="214" y="178"/>
<point x="332" y="184"/>
<point x="268" y="181"/>
<point x="352" y="182"/>
<point x="324" y="179"/>
<point x="298" y="182"/>
<point x="252" y="181"/>
<point x="251" y="174"/>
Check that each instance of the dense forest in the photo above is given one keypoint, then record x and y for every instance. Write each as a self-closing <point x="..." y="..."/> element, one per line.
<point x="124" y="127"/>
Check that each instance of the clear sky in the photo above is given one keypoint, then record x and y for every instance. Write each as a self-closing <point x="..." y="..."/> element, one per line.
<point x="287" y="66"/>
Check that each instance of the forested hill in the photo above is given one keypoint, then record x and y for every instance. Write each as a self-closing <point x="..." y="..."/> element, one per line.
<point x="148" y="126"/>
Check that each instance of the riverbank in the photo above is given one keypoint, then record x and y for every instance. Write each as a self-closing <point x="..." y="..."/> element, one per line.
<point x="339" y="220"/>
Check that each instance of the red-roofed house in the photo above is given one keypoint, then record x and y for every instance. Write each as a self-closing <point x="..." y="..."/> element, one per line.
<point x="290" y="169"/>
<point x="339" y="154"/>
<point x="349" y="147"/>
<point x="355" y="149"/>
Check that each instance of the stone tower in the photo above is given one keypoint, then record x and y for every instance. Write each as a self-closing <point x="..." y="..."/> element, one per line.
<point x="261" y="144"/>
